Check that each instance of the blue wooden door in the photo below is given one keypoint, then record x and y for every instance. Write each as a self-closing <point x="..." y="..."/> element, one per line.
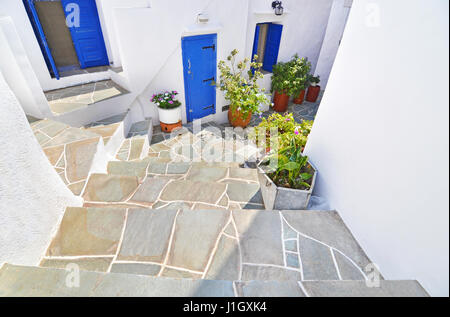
<point x="87" y="37"/>
<point x="200" y="69"/>
<point x="39" y="32"/>
<point x="272" y="46"/>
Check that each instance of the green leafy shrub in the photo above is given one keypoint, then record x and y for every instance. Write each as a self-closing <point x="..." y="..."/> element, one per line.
<point x="288" y="129"/>
<point x="292" y="169"/>
<point x="291" y="77"/>
<point x="313" y="80"/>
<point x="239" y="83"/>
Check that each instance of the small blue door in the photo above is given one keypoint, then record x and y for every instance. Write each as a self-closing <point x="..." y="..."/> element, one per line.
<point x="272" y="46"/>
<point x="200" y="69"/>
<point x="87" y="37"/>
<point x="39" y="32"/>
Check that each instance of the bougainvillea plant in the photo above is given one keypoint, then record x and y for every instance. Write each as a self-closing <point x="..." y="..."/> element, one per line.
<point x="166" y="100"/>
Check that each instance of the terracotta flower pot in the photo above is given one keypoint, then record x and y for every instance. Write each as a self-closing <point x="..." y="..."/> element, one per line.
<point x="313" y="93"/>
<point x="236" y="119"/>
<point x="299" y="100"/>
<point x="281" y="102"/>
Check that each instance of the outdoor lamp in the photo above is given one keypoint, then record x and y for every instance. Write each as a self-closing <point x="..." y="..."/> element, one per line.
<point x="278" y="7"/>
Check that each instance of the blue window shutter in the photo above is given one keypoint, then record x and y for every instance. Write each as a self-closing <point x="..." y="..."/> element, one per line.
<point x="272" y="46"/>
<point x="256" y="42"/>
<point x="39" y="32"/>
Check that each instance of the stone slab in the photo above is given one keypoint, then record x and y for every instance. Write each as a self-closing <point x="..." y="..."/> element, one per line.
<point x="88" y="231"/>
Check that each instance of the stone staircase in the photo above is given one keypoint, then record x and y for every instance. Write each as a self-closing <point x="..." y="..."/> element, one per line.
<point x="162" y="220"/>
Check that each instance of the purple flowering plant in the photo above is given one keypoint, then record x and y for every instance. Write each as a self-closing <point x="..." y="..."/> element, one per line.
<point x="166" y="100"/>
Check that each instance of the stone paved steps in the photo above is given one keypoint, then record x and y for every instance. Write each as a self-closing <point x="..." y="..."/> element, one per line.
<point x="72" y="151"/>
<point x="209" y="244"/>
<point x="32" y="281"/>
<point x="155" y="183"/>
<point x="135" y="147"/>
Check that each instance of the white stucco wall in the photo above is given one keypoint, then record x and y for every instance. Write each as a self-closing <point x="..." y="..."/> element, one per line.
<point x="32" y="196"/>
<point x="335" y="29"/>
<point x="380" y="139"/>
<point x="18" y="71"/>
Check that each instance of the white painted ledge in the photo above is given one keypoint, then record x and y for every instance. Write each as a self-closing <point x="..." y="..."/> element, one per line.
<point x="207" y="28"/>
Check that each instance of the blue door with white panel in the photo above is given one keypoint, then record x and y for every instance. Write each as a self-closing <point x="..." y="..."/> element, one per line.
<point x="87" y="37"/>
<point x="200" y="69"/>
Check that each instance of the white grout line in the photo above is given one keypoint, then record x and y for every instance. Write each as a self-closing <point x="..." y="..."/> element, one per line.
<point x="272" y="265"/>
<point x="216" y="245"/>
<point x="335" y="264"/>
<point x="302" y="276"/>
<point x="119" y="246"/>
<point x="282" y="237"/>
<point x="169" y="247"/>
<point x="159" y="264"/>
<point x="76" y="257"/>
<point x="303" y="289"/>
<point x="235" y="289"/>
<point x="239" y="244"/>
<point x="228" y="236"/>
<point x="328" y="246"/>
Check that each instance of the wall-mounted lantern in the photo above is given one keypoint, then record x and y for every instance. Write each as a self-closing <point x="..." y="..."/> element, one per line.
<point x="278" y="7"/>
<point x="202" y="18"/>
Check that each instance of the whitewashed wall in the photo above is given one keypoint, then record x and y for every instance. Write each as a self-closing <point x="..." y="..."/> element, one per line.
<point x="18" y="71"/>
<point x="380" y="139"/>
<point x="335" y="29"/>
<point x="32" y="196"/>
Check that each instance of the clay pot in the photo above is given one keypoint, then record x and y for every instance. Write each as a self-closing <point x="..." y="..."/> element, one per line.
<point x="299" y="100"/>
<point x="170" y="127"/>
<point x="236" y="119"/>
<point x="281" y="102"/>
<point x="313" y="93"/>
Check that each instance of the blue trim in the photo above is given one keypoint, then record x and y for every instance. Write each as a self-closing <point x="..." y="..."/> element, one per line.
<point x="190" y="114"/>
<point x="40" y="36"/>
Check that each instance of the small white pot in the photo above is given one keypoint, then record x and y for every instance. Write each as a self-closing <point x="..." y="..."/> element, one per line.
<point x="170" y="116"/>
<point x="313" y="84"/>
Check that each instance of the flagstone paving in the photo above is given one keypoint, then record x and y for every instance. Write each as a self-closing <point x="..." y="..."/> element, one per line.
<point x="71" y="150"/>
<point x="207" y="244"/>
<point x="76" y="97"/>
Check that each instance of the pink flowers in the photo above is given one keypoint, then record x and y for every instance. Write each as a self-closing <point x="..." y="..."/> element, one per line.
<point x="171" y="102"/>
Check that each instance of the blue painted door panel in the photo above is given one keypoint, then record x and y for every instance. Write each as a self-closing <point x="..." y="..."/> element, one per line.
<point x="39" y="32"/>
<point x="256" y="41"/>
<point x="200" y="69"/>
<point x="87" y="37"/>
<point x="272" y="46"/>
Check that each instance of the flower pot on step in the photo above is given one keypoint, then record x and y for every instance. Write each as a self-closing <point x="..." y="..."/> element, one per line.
<point x="169" y="118"/>
<point x="280" y="198"/>
<point x="281" y="102"/>
<point x="313" y="93"/>
<point x="236" y="118"/>
<point x="299" y="99"/>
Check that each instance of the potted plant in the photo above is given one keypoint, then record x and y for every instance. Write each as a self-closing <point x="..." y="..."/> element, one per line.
<point x="287" y="179"/>
<point x="287" y="129"/>
<point x="169" y="110"/>
<point x="301" y="68"/>
<point x="282" y="86"/>
<point x="313" y="89"/>
<point x="239" y="82"/>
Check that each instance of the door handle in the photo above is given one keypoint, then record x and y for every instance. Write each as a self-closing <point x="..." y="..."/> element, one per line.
<point x="209" y="107"/>
<point x="209" y="79"/>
